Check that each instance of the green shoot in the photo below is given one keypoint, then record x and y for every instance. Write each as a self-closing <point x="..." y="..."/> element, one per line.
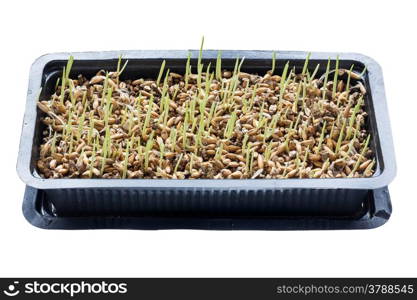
<point x="199" y="64"/>
<point x="105" y="84"/>
<point x="68" y="68"/>
<point x="81" y="123"/>
<point x="53" y="144"/>
<point x="164" y="101"/>
<point x="71" y="93"/>
<point x="232" y="84"/>
<point x="185" y="128"/>
<point x="63" y="83"/>
<point x="65" y="77"/>
<point x="126" y="158"/>
<point x="261" y="115"/>
<point x="187" y="70"/>
<point x="119" y="61"/>
<point x="353" y="117"/>
<point x="252" y="99"/>
<point x="191" y="162"/>
<point x="57" y="82"/>
<point x="69" y="124"/>
<point x="83" y="101"/>
<point x="91" y="127"/>
<point x="365" y="147"/>
<point x="297" y="98"/>
<point x="178" y="163"/>
<point x="148" y="147"/>
<point x="274" y="57"/>
<point x="331" y="130"/>
<point x="230" y="125"/>
<point x="269" y="130"/>
<point x="173" y="138"/>
<point x="200" y="53"/>
<point x="352" y="141"/>
<point x="326" y="78"/>
<point x="297" y="161"/>
<point x="148" y="114"/>
<point x="340" y="139"/>
<point x="363" y="72"/>
<point x="209" y="79"/>
<point x="314" y="73"/>
<point x="306" y="64"/>
<point x="161" y="71"/>
<point x="287" y="138"/>
<point x="348" y="80"/>
<point x="108" y="107"/>
<point x="161" y="146"/>
<point x="283" y="81"/>
<point x="296" y="122"/>
<point x="93" y="157"/>
<point x="268" y="151"/>
<point x="106" y="148"/>
<point x="244" y="143"/>
<point x="193" y="125"/>
<point x="219" y="152"/>
<point x="120" y="71"/>
<point x="211" y="113"/>
<point x="323" y="130"/>
<point x="130" y="115"/>
<point x="139" y="149"/>
<point x="219" y="66"/>
<point x="192" y="108"/>
<point x="336" y="73"/>
<point x="248" y="154"/>
<point x="303" y="99"/>
<point x="200" y="133"/>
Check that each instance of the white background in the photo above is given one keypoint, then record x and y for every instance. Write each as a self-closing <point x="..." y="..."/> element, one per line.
<point x="386" y="32"/>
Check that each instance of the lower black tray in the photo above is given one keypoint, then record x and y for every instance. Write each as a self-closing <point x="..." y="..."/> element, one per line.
<point x="375" y="212"/>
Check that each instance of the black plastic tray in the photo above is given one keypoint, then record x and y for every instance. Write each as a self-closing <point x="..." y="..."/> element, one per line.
<point x="375" y="212"/>
<point x="340" y="198"/>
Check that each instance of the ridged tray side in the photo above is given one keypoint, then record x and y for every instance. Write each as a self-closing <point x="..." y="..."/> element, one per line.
<point x="376" y="211"/>
<point x="90" y="202"/>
